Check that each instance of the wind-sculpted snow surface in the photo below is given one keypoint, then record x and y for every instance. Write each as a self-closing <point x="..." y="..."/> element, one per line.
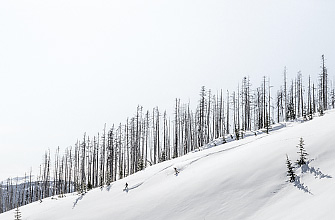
<point x="244" y="179"/>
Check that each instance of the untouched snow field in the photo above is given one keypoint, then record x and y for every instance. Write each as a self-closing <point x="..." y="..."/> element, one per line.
<point x="243" y="179"/>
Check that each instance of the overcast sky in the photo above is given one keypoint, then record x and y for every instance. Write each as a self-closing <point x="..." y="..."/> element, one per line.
<point x="69" y="66"/>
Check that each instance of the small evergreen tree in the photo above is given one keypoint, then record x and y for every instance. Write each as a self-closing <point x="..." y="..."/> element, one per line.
<point x="321" y="111"/>
<point x="290" y="171"/>
<point x="237" y="133"/>
<point x="163" y="156"/>
<point x="89" y="185"/>
<point x="108" y="179"/>
<point x="290" y="114"/>
<point x="302" y="153"/>
<point x="17" y="214"/>
<point x="140" y="165"/>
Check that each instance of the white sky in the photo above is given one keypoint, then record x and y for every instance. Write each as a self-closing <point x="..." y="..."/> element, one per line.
<point x="69" y="66"/>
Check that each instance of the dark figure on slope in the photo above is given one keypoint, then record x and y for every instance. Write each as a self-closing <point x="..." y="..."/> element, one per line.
<point x="126" y="187"/>
<point x="176" y="171"/>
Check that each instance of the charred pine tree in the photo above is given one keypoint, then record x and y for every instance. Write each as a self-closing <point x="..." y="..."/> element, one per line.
<point x="82" y="166"/>
<point x="176" y="130"/>
<point x="279" y="105"/>
<point x="208" y="123"/>
<point x="102" y="158"/>
<point x="324" y="85"/>
<point x="227" y="126"/>
<point x="110" y="157"/>
<point x="146" y="138"/>
<point x="309" y="101"/>
<point x="117" y="154"/>
<point x="285" y="95"/>
<point x="202" y="105"/>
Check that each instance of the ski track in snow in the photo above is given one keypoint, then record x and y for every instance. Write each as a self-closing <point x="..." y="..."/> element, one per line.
<point x="81" y="196"/>
<point x="220" y="151"/>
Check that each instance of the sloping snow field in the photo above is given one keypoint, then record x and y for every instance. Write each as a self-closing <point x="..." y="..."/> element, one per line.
<point x="243" y="179"/>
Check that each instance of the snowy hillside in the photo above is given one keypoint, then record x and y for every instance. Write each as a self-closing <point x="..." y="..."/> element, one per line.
<point x="243" y="179"/>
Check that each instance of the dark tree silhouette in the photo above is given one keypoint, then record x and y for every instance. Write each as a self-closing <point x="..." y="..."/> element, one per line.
<point x="302" y="153"/>
<point x="290" y="170"/>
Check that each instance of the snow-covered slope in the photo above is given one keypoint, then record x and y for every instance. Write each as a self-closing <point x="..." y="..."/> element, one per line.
<point x="243" y="179"/>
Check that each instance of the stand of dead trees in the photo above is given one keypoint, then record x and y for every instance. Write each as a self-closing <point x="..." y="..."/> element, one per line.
<point x="150" y="137"/>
